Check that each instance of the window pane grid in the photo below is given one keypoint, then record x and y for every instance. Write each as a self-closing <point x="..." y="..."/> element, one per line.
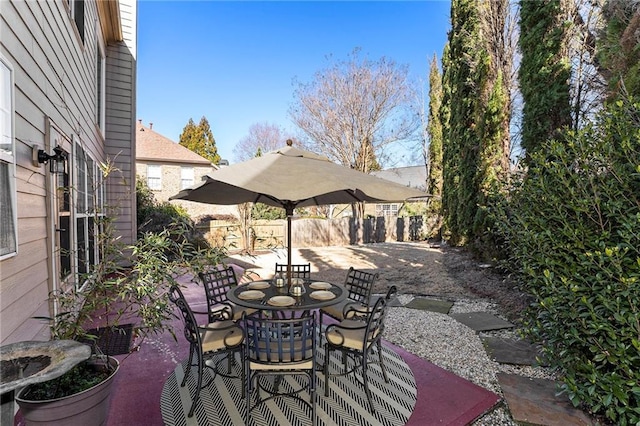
<point x="8" y="213"/>
<point x="154" y="177"/>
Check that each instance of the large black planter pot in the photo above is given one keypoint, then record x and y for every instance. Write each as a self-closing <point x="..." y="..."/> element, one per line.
<point x="89" y="407"/>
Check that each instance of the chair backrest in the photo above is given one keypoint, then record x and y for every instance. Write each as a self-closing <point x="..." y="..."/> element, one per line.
<point x="375" y="322"/>
<point x="359" y="285"/>
<point x="190" y="325"/>
<point x="280" y="341"/>
<point x="297" y="271"/>
<point x="217" y="283"/>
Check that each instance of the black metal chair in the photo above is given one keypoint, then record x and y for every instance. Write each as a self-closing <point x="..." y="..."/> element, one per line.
<point x="359" y="285"/>
<point x="280" y="348"/>
<point x="217" y="282"/>
<point x="220" y="336"/>
<point x="302" y="270"/>
<point x="356" y="337"/>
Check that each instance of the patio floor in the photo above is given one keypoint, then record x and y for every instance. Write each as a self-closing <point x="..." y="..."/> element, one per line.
<point x="442" y="398"/>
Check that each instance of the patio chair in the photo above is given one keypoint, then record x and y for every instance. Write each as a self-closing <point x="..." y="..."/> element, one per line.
<point x="356" y="339"/>
<point x="280" y="348"/>
<point x="220" y="336"/>
<point x="302" y="270"/>
<point x="217" y="282"/>
<point x="359" y="285"/>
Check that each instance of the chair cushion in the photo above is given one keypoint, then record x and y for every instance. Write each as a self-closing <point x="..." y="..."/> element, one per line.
<point x="336" y="310"/>
<point x="238" y="310"/>
<point x="344" y="334"/>
<point x="220" y="335"/>
<point x="306" y="365"/>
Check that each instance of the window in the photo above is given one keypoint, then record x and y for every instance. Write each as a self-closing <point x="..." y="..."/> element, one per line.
<point x="8" y="217"/>
<point x="387" y="210"/>
<point x="77" y="13"/>
<point x="187" y="177"/>
<point x="89" y="184"/>
<point x="154" y="177"/>
<point x="100" y="83"/>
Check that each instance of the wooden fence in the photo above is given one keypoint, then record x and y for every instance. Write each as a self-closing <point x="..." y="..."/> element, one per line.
<point x="317" y="232"/>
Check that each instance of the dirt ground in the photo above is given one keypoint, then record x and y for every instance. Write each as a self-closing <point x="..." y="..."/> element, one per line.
<point x="417" y="268"/>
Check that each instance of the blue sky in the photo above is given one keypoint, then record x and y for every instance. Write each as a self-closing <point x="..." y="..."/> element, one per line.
<point x="234" y="62"/>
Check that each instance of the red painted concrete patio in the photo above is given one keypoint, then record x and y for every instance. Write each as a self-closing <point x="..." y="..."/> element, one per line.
<point x="442" y="397"/>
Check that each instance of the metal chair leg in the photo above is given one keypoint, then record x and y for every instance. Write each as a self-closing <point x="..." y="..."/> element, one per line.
<point x="199" y="386"/>
<point x="186" y="373"/>
<point x="326" y="370"/>
<point x="384" y="370"/>
<point x="366" y="380"/>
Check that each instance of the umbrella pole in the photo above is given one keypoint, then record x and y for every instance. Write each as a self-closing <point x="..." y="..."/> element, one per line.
<point x="289" y="211"/>
<point x="289" y="249"/>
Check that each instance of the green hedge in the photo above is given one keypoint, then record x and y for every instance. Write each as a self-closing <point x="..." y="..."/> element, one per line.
<point x="571" y="228"/>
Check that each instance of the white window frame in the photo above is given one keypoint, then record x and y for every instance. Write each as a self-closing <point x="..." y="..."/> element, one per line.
<point x="7" y="109"/>
<point x="101" y="73"/>
<point x="88" y="206"/>
<point x="387" y="210"/>
<point x="154" y="179"/>
<point x="187" y="177"/>
<point x="78" y="20"/>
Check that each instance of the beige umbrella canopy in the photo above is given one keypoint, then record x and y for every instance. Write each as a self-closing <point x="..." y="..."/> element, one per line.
<point x="290" y="178"/>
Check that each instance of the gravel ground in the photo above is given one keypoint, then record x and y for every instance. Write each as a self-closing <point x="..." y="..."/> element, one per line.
<point x="418" y="269"/>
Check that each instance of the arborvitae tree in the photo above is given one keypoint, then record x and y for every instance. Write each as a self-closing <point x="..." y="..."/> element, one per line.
<point x="460" y="141"/>
<point x="199" y="139"/>
<point x="434" y="131"/>
<point x="544" y="71"/>
<point x="619" y="47"/>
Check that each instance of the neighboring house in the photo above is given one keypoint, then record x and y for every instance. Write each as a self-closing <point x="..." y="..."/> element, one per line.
<point x="68" y="76"/>
<point x="168" y="167"/>
<point x="413" y="176"/>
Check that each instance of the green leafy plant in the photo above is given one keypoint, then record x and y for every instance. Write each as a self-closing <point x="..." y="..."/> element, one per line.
<point x="129" y="284"/>
<point x="571" y="228"/>
<point x="81" y="377"/>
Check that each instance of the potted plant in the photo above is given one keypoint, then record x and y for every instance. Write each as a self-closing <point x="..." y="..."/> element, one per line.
<point x="129" y="284"/>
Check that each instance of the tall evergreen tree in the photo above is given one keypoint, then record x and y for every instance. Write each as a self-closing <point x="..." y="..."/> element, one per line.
<point x="460" y="142"/>
<point x="199" y="139"/>
<point x="434" y="131"/>
<point x="544" y="71"/>
<point x="475" y="114"/>
<point x="619" y="47"/>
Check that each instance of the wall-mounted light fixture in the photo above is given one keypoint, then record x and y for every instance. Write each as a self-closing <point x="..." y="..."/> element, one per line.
<point x="57" y="161"/>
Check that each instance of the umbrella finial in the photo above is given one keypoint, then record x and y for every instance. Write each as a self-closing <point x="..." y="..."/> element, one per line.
<point x="289" y="142"/>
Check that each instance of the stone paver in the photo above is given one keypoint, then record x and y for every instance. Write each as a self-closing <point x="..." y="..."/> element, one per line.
<point x="511" y="351"/>
<point x="433" y="305"/>
<point x="482" y="321"/>
<point x="534" y="401"/>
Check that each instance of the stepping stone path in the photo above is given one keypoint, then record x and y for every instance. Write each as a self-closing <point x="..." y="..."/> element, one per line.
<point x="482" y="321"/>
<point x="511" y="351"/>
<point x="433" y="305"/>
<point x="534" y="401"/>
<point x="530" y="400"/>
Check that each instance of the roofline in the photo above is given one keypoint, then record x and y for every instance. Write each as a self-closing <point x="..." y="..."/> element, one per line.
<point x="178" y="161"/>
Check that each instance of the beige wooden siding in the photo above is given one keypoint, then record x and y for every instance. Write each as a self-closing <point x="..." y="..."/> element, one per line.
<point x="54" y="76"/>
<point x="120" y="121"/>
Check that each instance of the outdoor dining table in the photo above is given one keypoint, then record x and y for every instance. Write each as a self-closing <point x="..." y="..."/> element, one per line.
<point x="266" y="296"/>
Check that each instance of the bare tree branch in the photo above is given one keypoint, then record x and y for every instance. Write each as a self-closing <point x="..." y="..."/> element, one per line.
<point x="355" y="109"/>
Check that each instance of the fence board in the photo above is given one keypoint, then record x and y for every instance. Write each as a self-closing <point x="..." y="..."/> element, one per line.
<point x="313" y="232"/>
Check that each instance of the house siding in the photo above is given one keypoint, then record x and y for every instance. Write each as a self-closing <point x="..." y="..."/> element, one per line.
<point x="54" y="81"/>
<point x="120" y="122"/>
<point x="171" y="181"/>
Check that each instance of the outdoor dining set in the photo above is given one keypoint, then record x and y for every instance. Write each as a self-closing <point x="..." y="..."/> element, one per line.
<point x="276" y="329"/>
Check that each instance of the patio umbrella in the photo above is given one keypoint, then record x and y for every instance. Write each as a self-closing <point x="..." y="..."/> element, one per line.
<point x="290" y="178"/>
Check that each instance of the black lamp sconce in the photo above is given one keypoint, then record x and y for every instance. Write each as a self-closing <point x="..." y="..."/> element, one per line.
<point x="57" y="161"/>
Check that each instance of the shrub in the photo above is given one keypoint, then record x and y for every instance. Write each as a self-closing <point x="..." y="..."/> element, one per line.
<point x="572" y="231"/>
<point x="155" y="217"/>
